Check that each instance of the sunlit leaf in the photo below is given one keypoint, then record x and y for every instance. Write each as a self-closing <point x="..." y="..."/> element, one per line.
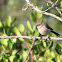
<point x="39" y="7"/>
<point x="38" y="14"/>
<point x="1" y="25"/>
<point x="49" y="59"/>
<point x="21" y="28"/>
<point x="36" y="33"/>
<point x="44" y="44"/>
<point x="5" y="60"/>
<point x="17" y="32"/>
<point x="11" y="58"/>
<point x="48" y="52"/>
<point x="14" y="52"/>
<point x="40" y="59"/>
<point x="52" y="54"/>
<point x="10" y="45"/>
<point x="34" y="27"/>
<point x="29" y="26"/>
<point x="8" y="22"/>
<point x="15" y="59"/>
<point x="1" y="57"/>
<point x="4" y="41"/>
<point x="13" y="40"/>
<point x="20" y="59"/>
<point x="61" y="4"/>
<point x="24" y="54"/>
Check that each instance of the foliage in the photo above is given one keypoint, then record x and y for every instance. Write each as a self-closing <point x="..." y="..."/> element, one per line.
<point x="16" y="50"/>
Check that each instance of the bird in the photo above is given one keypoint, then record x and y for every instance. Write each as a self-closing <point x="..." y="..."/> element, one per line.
<point x="44" y="29"/>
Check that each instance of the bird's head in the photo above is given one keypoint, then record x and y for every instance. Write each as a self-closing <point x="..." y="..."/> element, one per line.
<point x="39" y="25"/>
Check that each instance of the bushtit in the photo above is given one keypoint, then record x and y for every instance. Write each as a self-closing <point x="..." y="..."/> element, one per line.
<point x="45" y="29"/>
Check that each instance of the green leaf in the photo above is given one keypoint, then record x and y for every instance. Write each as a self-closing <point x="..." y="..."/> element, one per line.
<point x="4" y="41"/>
<point x="21" y="28"/>
<point x="34" y="27"/>
<point x="8" y="22"/>
<point x="15" y="59"/>
<point x="20" y="59"/>
<point x="33" y="17"/>
<point x="40" y="59"/>
<point x="24" y="54"/>
<point x="29" y="26"/>
<point x="13" y="40"/>
<point x="53" y="59"/>
<point x="5" y="60"/>
<point x="39" y="7"/>
<point x="44" y="44"/>
<point x="36" y="33"/>
<point x="42" y="53"/>
<point x="17" y="32"/>
<point x="11" y="58"/>
<point x="1" y="57"/>
<point x="38" y="14"/>
<point x="1" y="25"/>
<point x="58" y="49"/>
<point x="14" y="20"/>
<point x="51" y="44"/>
<point x="10" y="45"/>
<point x="14" y="52"/>
<point x="61" y="5"/>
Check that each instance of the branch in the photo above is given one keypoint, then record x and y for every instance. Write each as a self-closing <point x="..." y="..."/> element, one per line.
<point x="29" y="37"/>
<point x="51" y="6"/>
<point x="48" y="9"/>
<point x="30" y="49"/>
<point x="54" y="5"/>
<point x="39" y="11"/>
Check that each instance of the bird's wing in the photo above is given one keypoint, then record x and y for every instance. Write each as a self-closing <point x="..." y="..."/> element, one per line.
<point x="48" y="26"/>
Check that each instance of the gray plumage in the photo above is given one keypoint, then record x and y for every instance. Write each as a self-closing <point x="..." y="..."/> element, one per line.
<point x="45" y="29"/>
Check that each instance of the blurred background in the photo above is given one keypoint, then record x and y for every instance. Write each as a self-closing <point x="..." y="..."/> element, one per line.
<point x="13" y="8"/>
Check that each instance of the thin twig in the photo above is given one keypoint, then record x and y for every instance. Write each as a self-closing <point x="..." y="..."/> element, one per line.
<point x="29" y="37"/>
<point x="24" y="9"/>
<point x="30" y="49"/>
<point x="51" y="6"/>
<point x="54" y="4"/>
<point x="39" y="11"/>
<point x="48" y="9"/>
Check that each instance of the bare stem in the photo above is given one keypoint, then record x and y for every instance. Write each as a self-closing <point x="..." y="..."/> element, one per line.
<point x="30" y="49"/>
<point x="29" y="37"/>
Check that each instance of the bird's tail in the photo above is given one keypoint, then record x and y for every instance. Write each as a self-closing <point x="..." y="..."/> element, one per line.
<point x="55" y="33"/>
